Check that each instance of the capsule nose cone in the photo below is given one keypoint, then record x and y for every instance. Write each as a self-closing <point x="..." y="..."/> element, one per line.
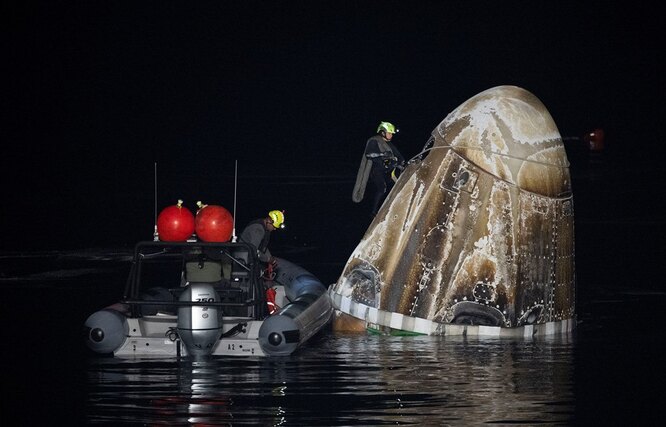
<point x="509" y="133"/>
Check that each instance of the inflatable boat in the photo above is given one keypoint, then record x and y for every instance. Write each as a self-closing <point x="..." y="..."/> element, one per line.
<point x="200" y="298"/>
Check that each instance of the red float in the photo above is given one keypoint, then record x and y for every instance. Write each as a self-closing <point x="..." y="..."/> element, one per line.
<point x="213" y="223"/>
<point x="175" y="223"/>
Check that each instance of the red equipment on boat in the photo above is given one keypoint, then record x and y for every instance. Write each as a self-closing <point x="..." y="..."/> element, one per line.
<point x="213" y="223"/>
<point x="175" y="223"/>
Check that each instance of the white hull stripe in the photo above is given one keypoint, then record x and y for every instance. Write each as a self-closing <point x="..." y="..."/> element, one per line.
<point x="374" y="316"/>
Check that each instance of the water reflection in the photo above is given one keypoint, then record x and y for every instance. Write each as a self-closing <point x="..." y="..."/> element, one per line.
<point x="347" y="380"/>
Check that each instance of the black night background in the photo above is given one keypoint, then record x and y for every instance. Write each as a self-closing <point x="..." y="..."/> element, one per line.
<point x="98" y="96"/>
<point x="97" y="92"/>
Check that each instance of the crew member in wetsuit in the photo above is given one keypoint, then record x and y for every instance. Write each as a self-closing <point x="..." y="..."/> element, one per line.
<point x="387" y="162"/>
<point x="258" y="234"/>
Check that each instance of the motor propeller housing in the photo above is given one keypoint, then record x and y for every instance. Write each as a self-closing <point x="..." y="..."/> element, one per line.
<point x="199" y="326"/>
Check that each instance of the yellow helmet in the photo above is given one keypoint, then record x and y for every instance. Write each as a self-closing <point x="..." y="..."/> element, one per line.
<point x="387" y="127"/>
<point x="277" y="217"/>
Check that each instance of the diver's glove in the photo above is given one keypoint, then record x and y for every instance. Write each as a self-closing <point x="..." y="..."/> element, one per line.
<point x="391" y="162"/>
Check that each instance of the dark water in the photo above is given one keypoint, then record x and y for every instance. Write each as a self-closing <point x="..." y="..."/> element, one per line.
<point x="608" y="372"/>
<point x="347" y="380"/>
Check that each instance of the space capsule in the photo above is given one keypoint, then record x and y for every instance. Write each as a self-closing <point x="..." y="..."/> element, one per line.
<point x="477" y="236"/>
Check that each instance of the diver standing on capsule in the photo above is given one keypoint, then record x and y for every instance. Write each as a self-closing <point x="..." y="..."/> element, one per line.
<point x="380" y="165"/>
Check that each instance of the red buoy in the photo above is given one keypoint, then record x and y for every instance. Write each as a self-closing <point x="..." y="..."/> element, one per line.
<point x="175" y="223"/>
<point x="213" y="223"/>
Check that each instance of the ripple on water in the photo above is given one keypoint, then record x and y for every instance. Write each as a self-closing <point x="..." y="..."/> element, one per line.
<point x="347" y="380"/>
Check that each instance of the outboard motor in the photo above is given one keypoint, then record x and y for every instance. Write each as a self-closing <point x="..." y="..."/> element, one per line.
<point x="199" y="326"/>
<point x="106" y="329"/>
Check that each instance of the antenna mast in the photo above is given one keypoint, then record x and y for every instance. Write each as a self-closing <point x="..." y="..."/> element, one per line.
<point x="233" y="232"/>
<point x="156" y="236"/>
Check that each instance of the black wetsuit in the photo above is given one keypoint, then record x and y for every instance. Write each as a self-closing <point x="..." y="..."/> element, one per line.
<point x="256" y="234"/>
<point x="385" y="158"/>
